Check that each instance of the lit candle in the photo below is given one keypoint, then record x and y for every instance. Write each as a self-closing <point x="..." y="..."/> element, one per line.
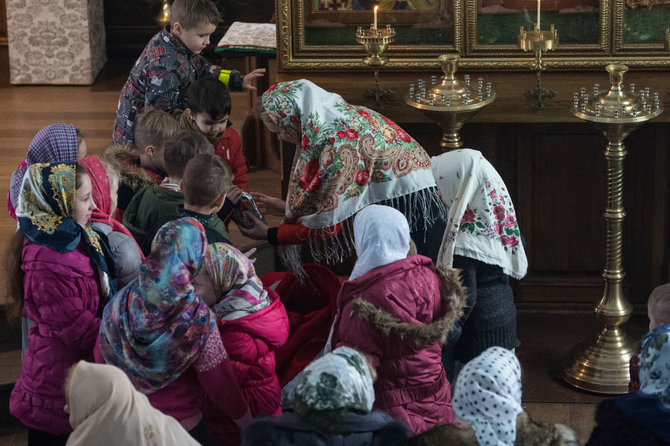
<point x="538" y="14"/>
<point x="375" y="16"/>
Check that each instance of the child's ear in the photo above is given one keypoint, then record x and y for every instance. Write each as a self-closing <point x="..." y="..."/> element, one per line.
<point x="150" y="150"/>
<point x="181" y="184"/>
<point x="219" y="201"/>
<point x="189" y="113"/>
<point x="177" y="29"/>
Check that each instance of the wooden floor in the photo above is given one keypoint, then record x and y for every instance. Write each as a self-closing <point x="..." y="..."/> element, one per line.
<point x="545" y="338"/>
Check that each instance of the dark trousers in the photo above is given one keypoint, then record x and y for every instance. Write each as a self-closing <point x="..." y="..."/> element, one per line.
<point x="41" y="438"/>
<point x="203" y="435"/>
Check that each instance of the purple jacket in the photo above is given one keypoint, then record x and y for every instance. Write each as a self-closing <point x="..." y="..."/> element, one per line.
<point x="62" y="298"/>
<point x="399" y="315"/>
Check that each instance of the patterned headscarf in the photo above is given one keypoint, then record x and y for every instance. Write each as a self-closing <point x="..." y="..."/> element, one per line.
<point x="154" y="328"/>
<point x="46" y="217"/>
<point x="381" y="234"/>
<point x="101" y="193"/>
<point x="488" y="396"/>
<point x="55" y="143"/>
<point x="238" y="289"/>
<point x="335" y="383"/>
<point x="650" y="406"/>
<point x="106" y="409"/>
<point x="482" y="222"/>
<point x="349" y="157"/>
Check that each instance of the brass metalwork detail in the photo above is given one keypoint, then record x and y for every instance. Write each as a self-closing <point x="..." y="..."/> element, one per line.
<point x="601" y="365"/>
<point x="295" y="55"/>
<point x="451" y="102"/>
<point x="539" y="40"/>
<point x="634" y="4"/>
<point x="376" y="41"/>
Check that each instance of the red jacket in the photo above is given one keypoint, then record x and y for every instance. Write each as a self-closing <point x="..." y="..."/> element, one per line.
<point x="250" y="342"/>
<point x="229" y="148"/>
<point x="399" y="314"/>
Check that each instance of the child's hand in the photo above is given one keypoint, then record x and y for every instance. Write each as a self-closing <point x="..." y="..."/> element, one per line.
<point x="234" y="194"/>
<point x="258" y="232"/>
<point x="249" y="253"/>
<point x="269" y="205"/>
<point x="249" y="78"/>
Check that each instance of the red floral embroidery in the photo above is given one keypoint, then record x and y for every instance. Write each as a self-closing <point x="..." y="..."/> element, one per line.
<point x="352" y="134"/>
<point x="499" y="212"/>
<point x="362" y="177"/>
<point x="469" y="216"/>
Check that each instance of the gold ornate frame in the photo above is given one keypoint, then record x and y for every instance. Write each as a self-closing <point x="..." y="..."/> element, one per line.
<point x="294" y="54"/>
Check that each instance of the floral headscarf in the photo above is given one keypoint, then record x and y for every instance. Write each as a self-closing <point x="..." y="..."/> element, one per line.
<point x="106" y="409"/>
<point x="650" y="406"/>
<point x="349" y="157"/>
<point x="46" y="217"/>
<point x="381" y="235"/>
<point x="55" y="143"/>
<point x="482" y="222"/>
<point x="154" y="328"/>
<point x="335" y="383"/>
<point x="488" y="396"/>
<point x="238" y="289"/>
<point x="101" y="193"/>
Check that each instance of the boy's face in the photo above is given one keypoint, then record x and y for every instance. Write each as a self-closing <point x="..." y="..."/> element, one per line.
<point x="196" y="38"/>
<point x="212" y="128"/>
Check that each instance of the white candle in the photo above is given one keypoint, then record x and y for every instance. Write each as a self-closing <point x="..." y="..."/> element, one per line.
<point x="538" y="14"/>
<point x="375" y="16"/>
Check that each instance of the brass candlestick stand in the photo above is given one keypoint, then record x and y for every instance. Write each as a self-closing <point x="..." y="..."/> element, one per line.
<point x="601" y="365"/>
<point x="538" y="41"/>
<point x="451" y="103"/>
<point x="376" y="41"/>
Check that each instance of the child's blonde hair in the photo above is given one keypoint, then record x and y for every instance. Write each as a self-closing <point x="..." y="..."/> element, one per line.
<point x="659" y="304"/>
<point x="153" y="128"/>
<point x="191" y="13"/>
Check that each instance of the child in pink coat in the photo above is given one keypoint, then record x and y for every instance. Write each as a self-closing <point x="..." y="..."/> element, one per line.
<point x="253" y="324"/>
<point x="163" y="335"/>
<point x="61" y="274"/>
<point x="397" y="310"/>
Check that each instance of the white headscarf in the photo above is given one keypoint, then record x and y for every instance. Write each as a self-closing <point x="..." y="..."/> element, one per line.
<point x="488" y="396"/>
<point x="381" y="236"/>
<point x="106" y="409"/>
<point x="482" y="221"/>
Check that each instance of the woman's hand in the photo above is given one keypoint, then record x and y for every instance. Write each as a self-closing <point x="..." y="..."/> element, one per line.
<point x="249" y="78"/>
<point x="269" y="205"/>
<point x="258" y="232"/>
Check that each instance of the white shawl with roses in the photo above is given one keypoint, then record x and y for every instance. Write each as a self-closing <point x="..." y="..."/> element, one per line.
<point x="482" y="222"/>
<point x="349" y="157"/>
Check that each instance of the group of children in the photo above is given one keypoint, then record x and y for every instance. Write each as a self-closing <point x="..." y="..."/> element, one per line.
<point x="145" y="325"/>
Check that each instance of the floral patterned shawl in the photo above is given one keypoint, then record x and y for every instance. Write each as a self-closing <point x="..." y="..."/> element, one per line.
<point x="650" y="406"/>
<point x="154" y="328"/>
<point x="330" y="386"/>
<point x="482" y="222"/>
<point x="55" y="143"/>
<point x="349" y="157"/>
<point x="45" y="213"/>
<point x="237" y="287"/>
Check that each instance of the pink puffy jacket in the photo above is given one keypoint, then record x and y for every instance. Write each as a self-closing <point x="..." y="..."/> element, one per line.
<point x="399" y="315"/>
<point x="62" y="298"/>
<point x="250" y="342"/>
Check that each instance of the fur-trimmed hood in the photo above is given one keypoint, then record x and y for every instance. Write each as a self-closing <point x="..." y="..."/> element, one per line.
<point x="453" y="296"/>
<point x="122" y="159"/>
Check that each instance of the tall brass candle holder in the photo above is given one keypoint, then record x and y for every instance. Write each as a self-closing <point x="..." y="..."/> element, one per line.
<point x="451" y="102"/>
<point x="601" y="364"/>
<point x="376" y="41"/>
<point x="538" y="41"/>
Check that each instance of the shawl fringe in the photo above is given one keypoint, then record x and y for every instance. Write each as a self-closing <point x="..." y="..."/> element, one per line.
<point x="421" y="208"/>
<point x="453" y="295"/>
